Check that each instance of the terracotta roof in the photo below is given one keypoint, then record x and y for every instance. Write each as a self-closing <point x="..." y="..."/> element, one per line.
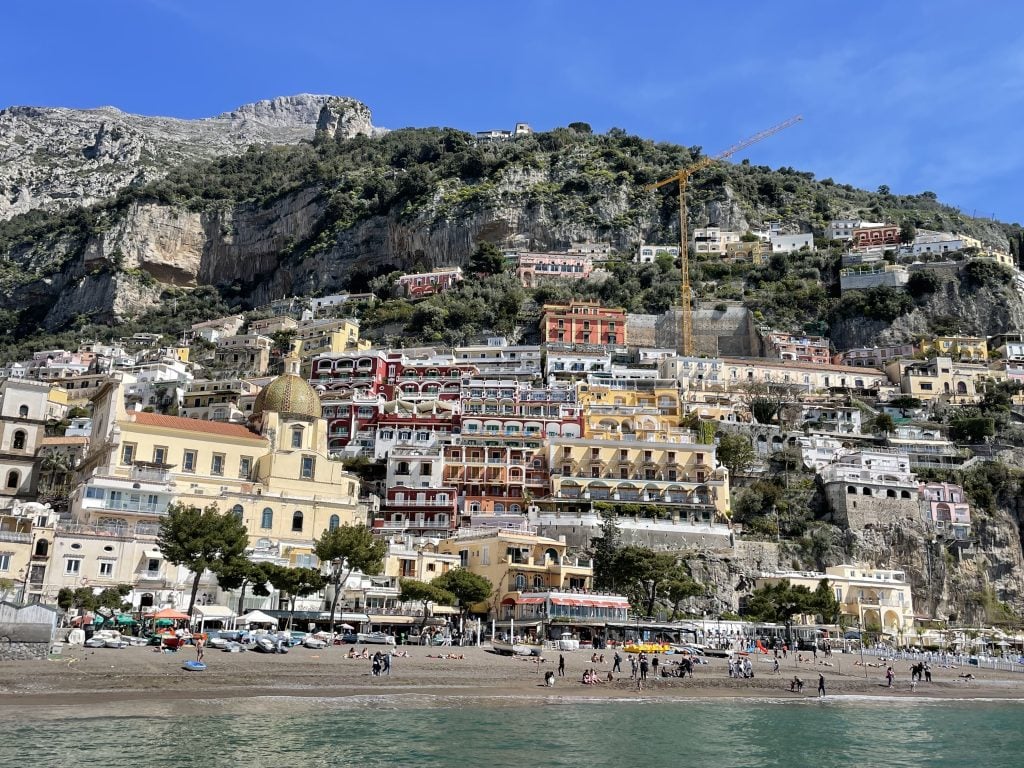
<point x="237" y="431"/>
<point x="77" y="440"/>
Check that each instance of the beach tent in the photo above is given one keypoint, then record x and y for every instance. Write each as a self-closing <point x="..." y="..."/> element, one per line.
<point x="168" y="613"/>
<point x="219" y="613"/>
<point x="256" y="617"/>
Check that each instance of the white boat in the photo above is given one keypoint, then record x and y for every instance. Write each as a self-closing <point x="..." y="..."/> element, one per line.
<point x="515" y="649"/>
<point x="375" y="638"/>
<point x="107" y="638"/>
<point x="312" y="641"/>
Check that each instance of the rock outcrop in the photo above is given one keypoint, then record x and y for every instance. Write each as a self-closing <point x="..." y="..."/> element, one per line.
<point x="58" y="158"/>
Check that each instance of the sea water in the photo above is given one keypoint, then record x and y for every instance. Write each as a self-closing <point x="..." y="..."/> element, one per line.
<point x="431" y="731"/>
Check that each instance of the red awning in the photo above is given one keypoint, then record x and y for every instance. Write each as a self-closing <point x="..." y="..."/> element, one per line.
<point x="529" y="601"/>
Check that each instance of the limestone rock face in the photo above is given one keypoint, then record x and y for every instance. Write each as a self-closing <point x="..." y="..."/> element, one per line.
<point x="59" y="158"/>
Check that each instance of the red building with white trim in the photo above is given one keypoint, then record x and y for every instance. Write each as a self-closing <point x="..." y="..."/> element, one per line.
<point x="583" y="322"/>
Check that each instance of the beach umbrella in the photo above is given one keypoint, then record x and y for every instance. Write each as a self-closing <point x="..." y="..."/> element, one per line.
<point x="168" y="613"/>
<point x="125" y="619"/>
<point x="347" y="626"/>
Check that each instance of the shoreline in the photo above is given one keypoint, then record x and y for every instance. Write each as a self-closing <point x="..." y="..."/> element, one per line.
<point x="86" y="679"/>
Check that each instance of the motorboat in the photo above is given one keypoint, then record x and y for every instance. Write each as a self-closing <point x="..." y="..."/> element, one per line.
<point x="233" y="647"/>
<point x="375" y="638"/>
<point x="312" y="641"/>
<point x="270" y="644"/>
<point x="107" y="638"/>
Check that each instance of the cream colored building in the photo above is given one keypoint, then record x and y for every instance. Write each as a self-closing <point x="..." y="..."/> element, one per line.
<point x="407" y="559"/>
<point x="274" y="474"/>
<point x="960" y="347"/>
<point x="659" y="468"/>
<point x="515" y="561"/>
<point x="941" y="377"/>
<point x="25" y="407"/>
<point x="872" y="597"/>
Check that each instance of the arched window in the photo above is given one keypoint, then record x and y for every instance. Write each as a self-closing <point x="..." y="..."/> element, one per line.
<point x="237" y="511"/>
<point x="851" y="489"/>
<point x="890" y="493"/>
<point x="267" y="519"/>
<point x="866" y="491"/>
<point x="13" y="479"/>
<point x="23" y="411"/>
<point x="42" y="548"/>
<point x="520" y="582"/>
<point x="904" y="494"/>
<point x="146" y="601"/>
<point x="297" y="521"/>
<point x="19" y="440"/>
<point x="333" y="523"/>
<point x="538" y="581"/>
<point x="297" y="437"/>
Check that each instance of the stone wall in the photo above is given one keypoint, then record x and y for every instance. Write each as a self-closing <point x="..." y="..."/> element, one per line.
<point x="24" y="641"/>
<point x="10" y="651"/>
<point x="716" y="332"/>
<point x="641" y="330"/>
<point x="856" y="511"/>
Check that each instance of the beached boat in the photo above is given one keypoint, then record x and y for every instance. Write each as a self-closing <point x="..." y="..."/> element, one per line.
<point x="312" y="641"/>
<point x="375" y="638"/>
<point x="568" y="643"/>
<point x="194" y="666"/>
<point x="647" y="648"/>
<point x="516" y="649"/>
<point x="269" y="644"/>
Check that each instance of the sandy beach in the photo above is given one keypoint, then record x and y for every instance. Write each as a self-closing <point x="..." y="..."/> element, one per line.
<point x="84" y="676"/>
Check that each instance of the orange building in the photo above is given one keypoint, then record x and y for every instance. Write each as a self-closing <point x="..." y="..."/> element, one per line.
<point x="583" y="322"/>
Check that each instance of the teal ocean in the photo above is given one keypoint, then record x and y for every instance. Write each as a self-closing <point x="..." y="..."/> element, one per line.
<point x="422" y="731"/>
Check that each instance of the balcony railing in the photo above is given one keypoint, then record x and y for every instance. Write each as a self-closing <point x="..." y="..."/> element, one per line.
<point x="127" y="505"/>
<point x="15" y="537"/>
<point x="420" y="502"/>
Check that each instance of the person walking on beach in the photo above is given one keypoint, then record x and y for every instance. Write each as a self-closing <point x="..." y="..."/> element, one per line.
<point x="617" y="663"/>
<point x="386" y="664"/>
<point x="775" y="666"/>
<point x="632" y="666"/>
<point x="199" y="649"/>
<point x="654" y="666"/>
<point x="821" y="685"/>
<point x="643" y="667"/>
<point x="561" y="665"/>
<point x="889" y="675"/>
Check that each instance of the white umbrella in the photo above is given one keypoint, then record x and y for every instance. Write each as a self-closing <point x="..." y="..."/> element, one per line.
<point x="345" y="626"/>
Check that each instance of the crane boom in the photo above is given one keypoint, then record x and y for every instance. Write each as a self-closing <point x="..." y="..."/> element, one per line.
<point x="683" y="176"/>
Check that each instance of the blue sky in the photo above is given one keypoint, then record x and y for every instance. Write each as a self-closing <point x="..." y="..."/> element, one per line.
<point x="916" y="94"/>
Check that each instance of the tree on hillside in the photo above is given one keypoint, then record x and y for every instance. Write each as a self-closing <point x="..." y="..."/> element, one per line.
<point x="413" y="591"/>
<point x="487" y="259"/>
<point x="907" y="232"/>
<point x="243" y="574"/>
<point x="201" y="540"/>
<point x="468" y="588"/>
<point x="295" y="583"/>
<point x="736" y="452"/>
<point x="346" y="549"/>
<point x="883" y="424"/>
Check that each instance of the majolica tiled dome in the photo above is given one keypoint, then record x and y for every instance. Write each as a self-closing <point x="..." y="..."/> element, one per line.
<point x="290" y="396"/>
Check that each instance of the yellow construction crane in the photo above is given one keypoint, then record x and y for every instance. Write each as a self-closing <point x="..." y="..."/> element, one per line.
<point x="684" y="174"/>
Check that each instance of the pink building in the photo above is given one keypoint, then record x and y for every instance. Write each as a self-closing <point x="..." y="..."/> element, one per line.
<point x="807" y="349"/>
<point x="421" y="285"/>
<point x="946" y="507"/>
<point x="534" y="267"/>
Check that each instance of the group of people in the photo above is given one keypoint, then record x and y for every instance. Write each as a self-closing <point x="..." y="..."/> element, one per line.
<point x="742" y="668"/>
<point x="381" y="664"/>
<point x="796" y="685"/>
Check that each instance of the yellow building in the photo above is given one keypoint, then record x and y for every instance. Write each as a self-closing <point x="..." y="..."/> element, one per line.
<point x="874" y="598"/>
<point x="275" y="474"/>
<point x="405" y="560"/>
<point x="16" y="542"/>
<point x="515" y="561"/>
<point x="941" y="377"/>
<point x="956" y="347"/>
<point x="332" y="336"/>
<point x="643" y="409"/>
<point x="666" y="469"/>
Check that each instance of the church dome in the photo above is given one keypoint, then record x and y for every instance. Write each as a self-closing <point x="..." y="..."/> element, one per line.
<point x="290" y="396"/>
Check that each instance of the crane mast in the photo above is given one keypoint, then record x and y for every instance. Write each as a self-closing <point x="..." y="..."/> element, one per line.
<point x="682" y="177"/>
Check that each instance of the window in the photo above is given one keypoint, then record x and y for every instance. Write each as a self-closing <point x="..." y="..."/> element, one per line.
<point x="188" y="461"/>
<point x="13" y="479"/>
<point x="5" y="561"/>
<point x="18" y="443"/>
<point x="217" y="464"/>
<point x="244" y="466"/>
<point x="297" y="521"/>
<point x="237" y="511"/>
<point x="267" y="518"/>
<point x="106" y="568"/>
<point x="308" y="467"/>
<point x="153" y="565"/>
<point x="23" y="411"/>
<point x="334" y="523"/>
<point x="42" y="548"/>
<point x="72" y="566"/>
<point x="297" y="437"/>
<point x="128" y="453"/>
<point x="159" y="455"/>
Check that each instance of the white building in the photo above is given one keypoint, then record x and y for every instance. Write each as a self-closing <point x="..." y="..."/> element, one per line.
<point x="930" y="242"/>
<point x="842" y="229"/>
<point x="648" y="253"/>
<point x="873" y="275"/>
<point x="790" y="243"/>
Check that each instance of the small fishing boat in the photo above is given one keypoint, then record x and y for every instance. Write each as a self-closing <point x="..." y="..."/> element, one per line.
<point x="515" y="649"/>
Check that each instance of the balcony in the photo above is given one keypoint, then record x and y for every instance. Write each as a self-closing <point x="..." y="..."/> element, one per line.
<point x="15" y="537"/>
<point x="425" y="503"/>
<point x="151" y="474"/>
<point x="404" y="525"/>
<point x="126" y="505"/>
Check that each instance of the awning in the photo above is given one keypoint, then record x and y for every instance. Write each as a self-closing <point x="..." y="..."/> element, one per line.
<point x="530" y="601"/>
<point x="153" y="554"/>
<point x="580" y="601"/>
<point x="394" y="620"/>
<point x="256" y="617"/>
<point x="214" y="612"/>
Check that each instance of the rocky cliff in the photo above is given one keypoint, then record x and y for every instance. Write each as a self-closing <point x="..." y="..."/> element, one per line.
<point x="60" y="158"/>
